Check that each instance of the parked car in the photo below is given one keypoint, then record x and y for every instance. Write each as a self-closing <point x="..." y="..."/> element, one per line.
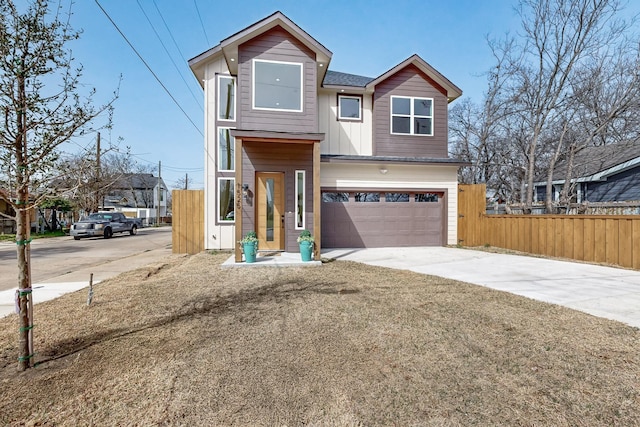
<point x="103" y="224"/>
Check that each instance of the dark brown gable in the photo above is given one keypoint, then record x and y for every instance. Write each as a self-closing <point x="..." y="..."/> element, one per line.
<point x="277" y="45"/>
<point x="409" y="81"/>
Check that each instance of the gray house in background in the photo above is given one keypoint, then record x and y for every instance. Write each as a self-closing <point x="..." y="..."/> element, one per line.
<point x="138" y="193"/>
<point x="608" y="173"/>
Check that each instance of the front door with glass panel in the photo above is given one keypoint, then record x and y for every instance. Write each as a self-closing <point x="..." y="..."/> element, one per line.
<point x="270" y="210"/>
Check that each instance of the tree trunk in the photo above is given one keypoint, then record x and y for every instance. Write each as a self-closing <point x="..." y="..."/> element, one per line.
<point x="25" y="303"/>
<point x="24" y="285"/>
<point x="530" y="173"/>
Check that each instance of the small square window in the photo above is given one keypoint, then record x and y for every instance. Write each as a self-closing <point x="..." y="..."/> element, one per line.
<point x="349" y="107"/>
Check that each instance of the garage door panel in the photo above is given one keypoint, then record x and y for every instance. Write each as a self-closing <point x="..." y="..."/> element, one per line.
<point x="382" y="224"/>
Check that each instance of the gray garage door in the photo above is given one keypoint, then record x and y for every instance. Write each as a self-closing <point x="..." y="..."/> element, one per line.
<point x="376" y="219"/>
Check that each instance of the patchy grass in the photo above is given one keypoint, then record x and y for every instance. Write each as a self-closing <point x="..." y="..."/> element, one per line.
<point x="185" y="342"/>
<point x="44" y="235"/>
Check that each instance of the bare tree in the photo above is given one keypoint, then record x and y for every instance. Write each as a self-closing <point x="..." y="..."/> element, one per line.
<point x="559" y="36"/>
<point x="567" y="81"/>
<point x="42" y="107"/>
<point x="478" y="132"/>
<point x="183" y="183"/>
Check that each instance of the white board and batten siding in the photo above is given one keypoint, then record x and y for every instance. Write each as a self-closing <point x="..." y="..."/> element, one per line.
<point x="217" y="236"/>
<point x="344" y="137"/>
<point x="419" y="177"/>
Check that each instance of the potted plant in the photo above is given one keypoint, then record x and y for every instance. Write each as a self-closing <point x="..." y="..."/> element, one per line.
<point x="249" y="245"/>
<point x="305" y="240"/>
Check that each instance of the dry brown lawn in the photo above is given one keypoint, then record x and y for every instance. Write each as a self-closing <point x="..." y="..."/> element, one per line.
<point x="185" y="342"/>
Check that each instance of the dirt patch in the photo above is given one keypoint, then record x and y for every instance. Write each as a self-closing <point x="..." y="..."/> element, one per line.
<point x="185" y="342"/>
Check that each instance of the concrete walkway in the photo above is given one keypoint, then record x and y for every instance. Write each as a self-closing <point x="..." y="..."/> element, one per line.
<point x="612" y="293"/>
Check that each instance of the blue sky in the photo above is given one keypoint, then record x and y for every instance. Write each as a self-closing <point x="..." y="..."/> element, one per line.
<point x="366" y="38"/>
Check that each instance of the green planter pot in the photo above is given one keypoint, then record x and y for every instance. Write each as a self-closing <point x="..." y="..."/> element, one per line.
<point x="250" y="250"/>
<point x="306" y="250"/>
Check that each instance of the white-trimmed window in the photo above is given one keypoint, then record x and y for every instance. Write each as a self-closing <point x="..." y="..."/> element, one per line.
<point x="300" y="196"/>
<point x="226" y="199"/>
<point x="411" y="115"/>
<point x="277" y="85"/>
<point x="226" y="150"/>
<point x="226" y="98"/>
<point x="349" y="107"/>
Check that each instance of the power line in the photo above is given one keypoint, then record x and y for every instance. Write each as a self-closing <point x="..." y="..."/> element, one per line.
<point x="195" y="3"/>
<point x="148" y="67"/>
<point x="170" y="33"/>
<point x="165" y="166"/>
<point x="169" y="55"/>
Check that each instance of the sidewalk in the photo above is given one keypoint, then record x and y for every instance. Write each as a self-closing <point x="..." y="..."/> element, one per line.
<point x="57" y="286"/>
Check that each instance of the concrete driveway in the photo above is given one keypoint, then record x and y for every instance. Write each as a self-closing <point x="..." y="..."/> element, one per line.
<point x="612" y="293"/>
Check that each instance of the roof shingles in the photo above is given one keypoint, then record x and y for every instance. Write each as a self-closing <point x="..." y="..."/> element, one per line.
<point x="336" y="78"/>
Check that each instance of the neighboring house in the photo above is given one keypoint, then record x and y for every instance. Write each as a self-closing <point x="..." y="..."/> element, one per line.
<point x="290" y="145"/>
<point x="137" y="194"/>
<point x="608" y="173"/>
<point x="7" y="226"/>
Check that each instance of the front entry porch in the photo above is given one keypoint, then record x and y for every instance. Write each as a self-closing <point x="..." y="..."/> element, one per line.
<point x="277" y="178"/>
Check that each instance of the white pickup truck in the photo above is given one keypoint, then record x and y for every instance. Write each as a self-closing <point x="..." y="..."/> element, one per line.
<point x="103" y="224"/>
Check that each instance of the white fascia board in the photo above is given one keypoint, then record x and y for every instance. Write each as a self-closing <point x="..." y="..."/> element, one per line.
<point x="603" y="175"/>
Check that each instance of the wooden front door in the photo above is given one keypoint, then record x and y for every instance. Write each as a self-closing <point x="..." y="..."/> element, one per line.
<point x="270" y="210"/>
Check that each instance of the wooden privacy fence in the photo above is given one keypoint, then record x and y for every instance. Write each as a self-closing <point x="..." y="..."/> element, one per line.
<point x="188" y="221"/>
<point x="611" y="239"/>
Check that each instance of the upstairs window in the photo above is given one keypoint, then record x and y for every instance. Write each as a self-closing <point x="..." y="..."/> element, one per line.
<point x="411" y="115"/>
<point x="226" y="98"/>
<point x="277" y="85"/>
<point x="349" y="107"/>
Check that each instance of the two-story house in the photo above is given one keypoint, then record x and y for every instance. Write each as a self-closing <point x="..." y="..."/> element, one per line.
<point x="137" y="194"/>
<point x="290" y="145"/>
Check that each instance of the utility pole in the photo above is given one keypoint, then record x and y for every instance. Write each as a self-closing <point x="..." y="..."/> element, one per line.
<point x="186" y="181"/>
<point x="97" y="193"/>
<point x="159" y="192"/>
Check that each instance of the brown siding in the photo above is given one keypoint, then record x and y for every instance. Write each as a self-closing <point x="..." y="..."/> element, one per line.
<point x="409" y="81"/>
<point x="275" y="157"/>
<point x="277" y="45"/>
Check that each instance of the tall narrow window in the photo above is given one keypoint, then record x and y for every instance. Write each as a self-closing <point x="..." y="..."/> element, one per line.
<point x="300" y="211"/>
<point x="226" y="98"/>
<point x="411" y="116"/>
<point x="226" y="144"/>
<point x="226" y="201"/>
<point x="277" y="85"/>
